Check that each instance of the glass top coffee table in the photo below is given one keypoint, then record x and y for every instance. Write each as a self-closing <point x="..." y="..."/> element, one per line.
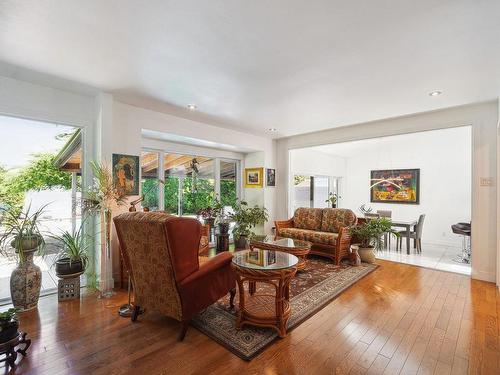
<point x="299" y="248"/>
<point x="257" y="307"/>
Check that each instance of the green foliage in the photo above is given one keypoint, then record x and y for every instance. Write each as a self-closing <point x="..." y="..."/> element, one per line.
<point x="332" y="198"/>
<point x="370" y="233"/>
<point x="171" y="194"/>
<point x="41" y="174"/>
<point x="247" y="218"/>
<point x="228" y="192"/>
<point x="9" y="197"/>
<point x="150" y="193"/>
<point x="299" y="179"/>
<point x="7" y="316"/>
<point x="21" y="226"/>
<point x="74" y="245"/>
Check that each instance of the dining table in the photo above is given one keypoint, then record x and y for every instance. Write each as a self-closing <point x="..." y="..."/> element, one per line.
<point x="407" y="225"/>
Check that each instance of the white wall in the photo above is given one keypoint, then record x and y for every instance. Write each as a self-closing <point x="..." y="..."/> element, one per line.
<point x="312" y="162"/>
<point x="483" y="118"/>
<point x="444" y="160"/>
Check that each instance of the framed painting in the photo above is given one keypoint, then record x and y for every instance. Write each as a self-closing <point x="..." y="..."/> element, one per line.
<point x="126" y="174"/>
<point x="395" y="186"/>
<point x="254" y="177"/>
<point x="270" y="177"/>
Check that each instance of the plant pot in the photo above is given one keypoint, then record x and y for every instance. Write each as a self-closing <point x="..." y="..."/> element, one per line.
<point x="367" y="254"/>
<point x="241" y="242"/>
<point x="210" y="222"/>
<point x="25" y="283"/>
<point x="223" y="228"/>
<point x="65" y="267"/>
<point x="26" y="243"/>
<point x="9" y="330"/>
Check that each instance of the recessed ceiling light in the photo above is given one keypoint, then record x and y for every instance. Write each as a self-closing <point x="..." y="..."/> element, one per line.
<point x="435" y="93"/>
<point x="192" y="107"/>
<point x="272" y="130"/>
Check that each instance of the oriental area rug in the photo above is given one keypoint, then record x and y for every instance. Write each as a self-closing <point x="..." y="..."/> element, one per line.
<point x="310" y="291"/>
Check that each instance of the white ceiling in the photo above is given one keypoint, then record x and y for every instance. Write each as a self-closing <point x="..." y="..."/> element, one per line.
<point x="295" y="65"/>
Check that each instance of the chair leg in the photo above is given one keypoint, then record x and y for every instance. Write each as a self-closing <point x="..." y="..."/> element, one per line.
<point x="135" y="313"/>
<point x="232" y="294"/>
<point x="414" y="243"/>
<point x="184" y="328"/>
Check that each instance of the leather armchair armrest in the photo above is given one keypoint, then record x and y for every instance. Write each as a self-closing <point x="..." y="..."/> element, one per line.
<point x="282" y="225"/>
<point x="219" y="261"/>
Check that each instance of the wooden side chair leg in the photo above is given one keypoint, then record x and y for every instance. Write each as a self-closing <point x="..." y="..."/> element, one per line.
<point x="135" y="313"/>
<point x="232" y="294"/>
<point x="184" y="328"/>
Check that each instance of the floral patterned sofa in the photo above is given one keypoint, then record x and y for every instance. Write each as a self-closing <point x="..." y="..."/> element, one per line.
<point x="326" y="228"/>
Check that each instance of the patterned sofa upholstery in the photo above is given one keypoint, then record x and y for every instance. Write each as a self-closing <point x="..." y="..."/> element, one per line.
<point x="326" y="228"/>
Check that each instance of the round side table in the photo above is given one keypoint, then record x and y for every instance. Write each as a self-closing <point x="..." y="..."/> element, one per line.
<point x="276" y="268"/>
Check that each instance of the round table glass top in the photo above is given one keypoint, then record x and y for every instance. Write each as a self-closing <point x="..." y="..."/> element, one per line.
<point x="264" y="259"/>
<point x="280" y="241"/>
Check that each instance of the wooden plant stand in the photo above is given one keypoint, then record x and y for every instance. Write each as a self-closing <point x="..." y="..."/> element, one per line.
<point x="9" y="348"/>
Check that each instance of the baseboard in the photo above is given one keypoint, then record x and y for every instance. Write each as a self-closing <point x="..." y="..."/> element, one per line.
<point x="484" y="276"/>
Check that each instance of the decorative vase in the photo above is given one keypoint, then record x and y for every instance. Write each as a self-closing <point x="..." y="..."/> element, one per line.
<point x="367" y="254"/>
<point x="25" y="283"/>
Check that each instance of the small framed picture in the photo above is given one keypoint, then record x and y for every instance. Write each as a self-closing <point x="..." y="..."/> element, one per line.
<point x="254" y="177"/>
<point x="270" y="177"/>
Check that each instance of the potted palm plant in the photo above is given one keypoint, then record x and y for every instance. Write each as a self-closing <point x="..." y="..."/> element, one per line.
<point x="22" y="233"/>
<point x="246" y="218"/>
<point x="369" y="236"/>
<point x="72" y="258"/>
<point x="9" y="325"/>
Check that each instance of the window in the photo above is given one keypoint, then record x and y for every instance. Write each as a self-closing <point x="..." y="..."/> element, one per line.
<point x="313" y="191"/>
<point x="191" y="182"/>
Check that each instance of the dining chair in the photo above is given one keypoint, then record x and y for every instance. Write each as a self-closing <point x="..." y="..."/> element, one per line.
<point x="387" y="236"/>
<point x="415" y="235"/>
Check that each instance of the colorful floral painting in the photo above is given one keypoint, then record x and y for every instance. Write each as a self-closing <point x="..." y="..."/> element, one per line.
<point x="395" y="186"/>
<point x="126" y="174"/>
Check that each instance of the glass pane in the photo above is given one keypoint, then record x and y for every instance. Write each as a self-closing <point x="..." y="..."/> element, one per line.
<point x="149" y="182"/>
<point x="190" y="182"/>
<point x="228" y="183"/>
<point x="302" y="191"/>
<point x="321" y="189"/>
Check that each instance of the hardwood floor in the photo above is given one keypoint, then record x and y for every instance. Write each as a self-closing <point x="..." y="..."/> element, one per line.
<point x="399" y="319"/>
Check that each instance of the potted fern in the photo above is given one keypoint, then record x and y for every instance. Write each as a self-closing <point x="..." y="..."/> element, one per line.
<point x="72" y="258"/>
<point x="369" y="236"/>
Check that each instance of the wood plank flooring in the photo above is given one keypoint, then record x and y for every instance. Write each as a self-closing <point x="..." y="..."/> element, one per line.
<point x="400" y="319"/>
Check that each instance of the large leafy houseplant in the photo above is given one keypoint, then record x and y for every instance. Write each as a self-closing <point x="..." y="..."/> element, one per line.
<point x="369" y="235"/>
<point x="246" y="218"/>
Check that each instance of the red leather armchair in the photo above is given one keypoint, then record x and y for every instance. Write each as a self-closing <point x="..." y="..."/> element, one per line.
<point x="161" y="253"/>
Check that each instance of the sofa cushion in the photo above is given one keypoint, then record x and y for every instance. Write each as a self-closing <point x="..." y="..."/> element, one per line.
<point x="325" y="238"/>
<point x="308" y="218"/>
<point x="336" y="218"/>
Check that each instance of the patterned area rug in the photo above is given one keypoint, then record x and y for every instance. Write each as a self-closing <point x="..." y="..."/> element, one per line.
<point x="310" y="291"/>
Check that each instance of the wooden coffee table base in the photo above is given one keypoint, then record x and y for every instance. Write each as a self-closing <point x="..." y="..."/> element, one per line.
<point x="264" y="310"/>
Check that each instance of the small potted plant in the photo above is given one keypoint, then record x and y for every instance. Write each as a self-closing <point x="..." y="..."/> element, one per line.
<point x="246" y="218"/>
<point x="369" y="236"/>
<point x="333" y="199"/>
<point x="9" y="325"/>
<point x="72" y="258"/>
<point x="22" y="233"/>
<point x="208" y="214"/>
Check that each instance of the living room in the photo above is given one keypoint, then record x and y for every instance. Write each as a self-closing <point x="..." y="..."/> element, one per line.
<point x="184" y="125"/>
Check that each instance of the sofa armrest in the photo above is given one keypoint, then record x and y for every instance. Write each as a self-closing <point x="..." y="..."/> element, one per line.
<point x="343" y="244"/>
<point x="282" y="225"/>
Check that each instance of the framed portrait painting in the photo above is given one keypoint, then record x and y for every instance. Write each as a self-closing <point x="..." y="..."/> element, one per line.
<point x="270" y="177"/>
<point x="126" y="174"/>
<point x="254" y="177"/>
<point x="395" y="186"/>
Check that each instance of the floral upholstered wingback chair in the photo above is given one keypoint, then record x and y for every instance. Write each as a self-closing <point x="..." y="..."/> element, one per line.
<point x="161" y="253"/>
